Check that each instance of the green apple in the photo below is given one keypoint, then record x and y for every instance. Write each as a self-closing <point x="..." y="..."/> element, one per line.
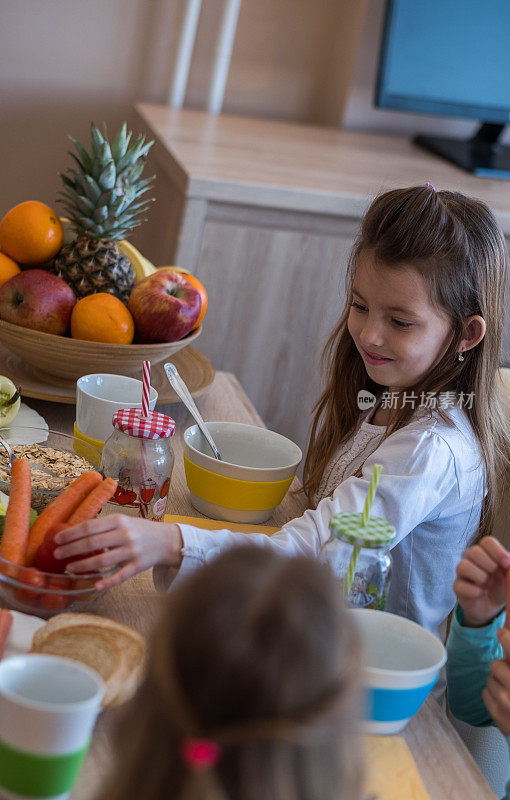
<point x="10" y="401"/>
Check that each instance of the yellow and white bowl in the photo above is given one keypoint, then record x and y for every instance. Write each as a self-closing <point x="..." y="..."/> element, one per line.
<point x="250" y="481"/>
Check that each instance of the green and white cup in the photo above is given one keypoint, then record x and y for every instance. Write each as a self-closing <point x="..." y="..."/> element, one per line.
<point x="48" y="707"/>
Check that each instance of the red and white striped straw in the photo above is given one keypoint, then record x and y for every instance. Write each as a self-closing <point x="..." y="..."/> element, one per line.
<point x="146" y="391"/>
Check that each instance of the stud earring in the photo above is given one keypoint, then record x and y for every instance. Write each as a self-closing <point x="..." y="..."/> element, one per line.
<point x="460" y="357"/>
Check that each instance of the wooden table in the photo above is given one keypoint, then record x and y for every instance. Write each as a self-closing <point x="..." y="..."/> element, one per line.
<point x="446" y="768"/>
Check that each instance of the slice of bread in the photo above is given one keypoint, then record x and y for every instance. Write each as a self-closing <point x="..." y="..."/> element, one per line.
<point x="105" y="632"/>
<point x="92" y="647"/>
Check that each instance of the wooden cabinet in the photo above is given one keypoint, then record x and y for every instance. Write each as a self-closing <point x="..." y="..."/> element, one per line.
<point x="265" y="214"/>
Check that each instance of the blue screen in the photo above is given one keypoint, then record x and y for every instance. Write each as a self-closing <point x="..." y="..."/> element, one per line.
<point x="447" y="56"/>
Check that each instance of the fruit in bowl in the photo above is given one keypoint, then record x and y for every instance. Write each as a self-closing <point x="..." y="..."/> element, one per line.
<point x="165" y="306"/>
<point x="102" y="197"/>
<point x="31" y="233"/>
<point x="199" y="286"/>
<point x="8" y="268"/>
<point x="102" y="317"/>
<point x="38" y="300"/>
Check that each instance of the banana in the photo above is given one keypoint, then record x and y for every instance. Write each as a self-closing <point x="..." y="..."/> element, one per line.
<point x="10" y="401"/>
<point x="142" y="267"/>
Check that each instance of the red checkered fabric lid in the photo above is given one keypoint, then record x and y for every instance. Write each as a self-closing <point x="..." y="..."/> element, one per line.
<point x="154" y="426"/>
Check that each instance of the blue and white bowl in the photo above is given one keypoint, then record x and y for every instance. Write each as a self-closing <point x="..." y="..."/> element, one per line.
<point x="401" y="663"/>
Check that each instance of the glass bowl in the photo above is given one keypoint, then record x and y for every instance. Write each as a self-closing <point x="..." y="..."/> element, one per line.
<point x="44" y="593"/>
<point x="70" y="457"/>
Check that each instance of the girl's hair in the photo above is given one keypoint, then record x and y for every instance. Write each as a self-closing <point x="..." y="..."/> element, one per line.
<point x="456" y="245"/>
<point x="256" y="652"/>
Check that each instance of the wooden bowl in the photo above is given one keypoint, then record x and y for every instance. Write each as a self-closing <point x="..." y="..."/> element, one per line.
<point x="63" y="357"/>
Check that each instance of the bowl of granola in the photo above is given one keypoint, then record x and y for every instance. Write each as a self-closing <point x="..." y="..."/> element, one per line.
<point x="63" y="457"/>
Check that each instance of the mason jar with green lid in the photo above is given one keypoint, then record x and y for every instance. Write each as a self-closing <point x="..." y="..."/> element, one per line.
<point x="362" y="558"/>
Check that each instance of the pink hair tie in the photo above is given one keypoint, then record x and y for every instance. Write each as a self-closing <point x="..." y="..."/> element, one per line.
<point x="200" y="754"/>
<point x="430" y="185"/>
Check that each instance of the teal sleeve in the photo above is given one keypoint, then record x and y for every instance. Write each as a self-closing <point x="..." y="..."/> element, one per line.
<point x="470" y="654"/>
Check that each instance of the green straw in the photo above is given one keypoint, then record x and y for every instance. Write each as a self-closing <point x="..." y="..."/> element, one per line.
<point x="351" y="569"/>
<point x="349" y="575"/>
<point x="376" y="474"/>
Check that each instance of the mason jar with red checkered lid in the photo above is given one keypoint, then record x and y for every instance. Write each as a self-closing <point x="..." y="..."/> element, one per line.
<point x="139" y="455"/>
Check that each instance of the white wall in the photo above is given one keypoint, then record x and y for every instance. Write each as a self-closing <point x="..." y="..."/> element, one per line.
<point x="64" y="63"/>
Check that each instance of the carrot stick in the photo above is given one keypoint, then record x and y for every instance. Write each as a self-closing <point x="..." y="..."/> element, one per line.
<point x="93" y="503"/>
<point x="59" y="510"/>
<point x="5" y="628"/>
<point x="17" y="516"/>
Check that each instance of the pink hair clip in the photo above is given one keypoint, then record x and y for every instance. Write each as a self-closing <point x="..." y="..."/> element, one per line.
<point x="431" y="186"/>
<point x="199" y="754"/>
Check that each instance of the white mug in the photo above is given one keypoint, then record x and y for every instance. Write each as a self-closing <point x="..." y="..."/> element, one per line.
<point x="48" y="707"/>
<point x="99" y="396"/>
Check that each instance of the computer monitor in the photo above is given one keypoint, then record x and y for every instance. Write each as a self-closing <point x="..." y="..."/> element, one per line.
<point x="452" y="58"/>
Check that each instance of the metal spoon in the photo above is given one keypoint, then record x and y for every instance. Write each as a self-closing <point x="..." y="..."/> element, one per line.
<point x="180" y="388"/>
<point x="34" y="466"/>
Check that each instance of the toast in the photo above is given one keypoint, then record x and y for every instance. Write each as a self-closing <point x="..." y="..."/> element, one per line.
<point x="92" y="639"/>
<point x="91" y="647"/>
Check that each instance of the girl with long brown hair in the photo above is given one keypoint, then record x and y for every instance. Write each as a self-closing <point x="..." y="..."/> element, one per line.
<point x="420" y="338"/>
<point x="251" y="689"/>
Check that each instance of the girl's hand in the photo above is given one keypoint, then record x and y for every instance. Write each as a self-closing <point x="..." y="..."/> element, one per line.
<point x="135" y="544"/>
<point x="496" y="695"/>
<point x="480" y="582"/>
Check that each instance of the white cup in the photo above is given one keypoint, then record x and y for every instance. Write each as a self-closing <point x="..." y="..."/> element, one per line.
<point x="48" y="707"/>
<point x="99" y="396"/>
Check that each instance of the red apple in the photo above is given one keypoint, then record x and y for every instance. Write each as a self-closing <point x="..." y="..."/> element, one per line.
<point x="165" y="307"/>
<point x="37" y="299"/>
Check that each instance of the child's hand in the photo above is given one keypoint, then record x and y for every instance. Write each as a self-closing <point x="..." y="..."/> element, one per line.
<point x="480" y="583"/>
<point x="136" y="544"/>
<point x="496" y="695"/>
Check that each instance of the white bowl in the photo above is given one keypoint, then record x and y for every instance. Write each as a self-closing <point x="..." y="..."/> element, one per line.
<point x="400" y="662"/>
<point x="255" y="472"/>
<point x="100" y="395"/>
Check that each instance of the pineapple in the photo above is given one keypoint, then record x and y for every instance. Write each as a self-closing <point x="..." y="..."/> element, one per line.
<point x="101" y="197"/>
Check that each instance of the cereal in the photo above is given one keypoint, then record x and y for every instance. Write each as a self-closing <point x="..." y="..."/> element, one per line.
<point x="65" y="465"/>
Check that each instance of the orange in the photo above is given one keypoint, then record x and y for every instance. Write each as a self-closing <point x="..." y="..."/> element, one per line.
<point x="31" y="233"/>
<point x="102" y="317"/>
<point x="8" y="268"/>
<point x="200" y="289"/>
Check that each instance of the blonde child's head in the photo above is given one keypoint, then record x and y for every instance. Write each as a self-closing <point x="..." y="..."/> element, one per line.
<point x="255" y="654"/>
<point x="426" y="288"/>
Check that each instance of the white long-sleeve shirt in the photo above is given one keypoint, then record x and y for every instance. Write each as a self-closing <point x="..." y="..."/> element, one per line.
<point x="431" y="490"/>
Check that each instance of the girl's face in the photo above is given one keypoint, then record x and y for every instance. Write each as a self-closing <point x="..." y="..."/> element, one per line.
<point x="397" y="330"/>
